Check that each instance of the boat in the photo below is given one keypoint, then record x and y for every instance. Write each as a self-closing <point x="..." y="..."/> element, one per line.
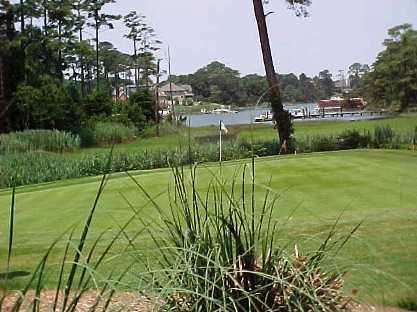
<point x="223" y="111"/>
<point x="298" y="113"/>
<point x="264" y="117"/>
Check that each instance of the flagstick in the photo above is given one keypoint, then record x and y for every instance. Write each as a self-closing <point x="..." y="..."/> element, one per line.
<point x="220" y="157"/>
<point x="220" y="134"/>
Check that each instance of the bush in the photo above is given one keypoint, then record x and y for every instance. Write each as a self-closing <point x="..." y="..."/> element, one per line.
<point x="112" y="133"/>
<point x="352" y="139"/>
<point x="33" y="140"/>
<point x="141" y="109"/>
<point x="97" y="103"/>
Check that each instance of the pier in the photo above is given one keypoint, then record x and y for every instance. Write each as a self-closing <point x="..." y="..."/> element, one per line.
<point x="342" y="114"/>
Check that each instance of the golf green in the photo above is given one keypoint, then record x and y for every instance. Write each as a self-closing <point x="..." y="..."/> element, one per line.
<point x="376" y="187"/>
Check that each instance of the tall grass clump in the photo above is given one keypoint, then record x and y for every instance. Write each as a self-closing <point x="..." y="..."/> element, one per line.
<point x="317" y="143"/>
<point x="113" y="133"/>
<point x="34" y="140"/>
<point x="383" y="136"/>
<point x="219" y="253"/>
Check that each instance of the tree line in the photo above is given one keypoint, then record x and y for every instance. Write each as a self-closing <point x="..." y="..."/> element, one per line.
<point x="221" y="84"/>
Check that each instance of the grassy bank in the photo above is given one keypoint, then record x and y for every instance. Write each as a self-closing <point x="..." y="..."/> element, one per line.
<point x="400" y="123"/>
<point x="374" y="186"/>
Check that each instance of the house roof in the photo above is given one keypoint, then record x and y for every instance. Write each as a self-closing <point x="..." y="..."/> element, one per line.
<point x="176" y="88"/>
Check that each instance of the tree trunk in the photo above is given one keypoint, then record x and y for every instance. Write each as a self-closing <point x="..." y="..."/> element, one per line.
<point x="97" y="55"/>
<point x="22" y="42"/>
<point x="45" y="17"/>
<point x="81" y="55"/>
<point x="135" y="61"/>
<point x="22" y="17"/>
<point x="281" y="116"/>
<point x="158" y="69"/>
<point x="116" y="85"/>
<point x="60" y="70"/>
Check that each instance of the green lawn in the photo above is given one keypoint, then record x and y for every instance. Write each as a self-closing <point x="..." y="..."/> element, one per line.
<point x="374" y="186"/>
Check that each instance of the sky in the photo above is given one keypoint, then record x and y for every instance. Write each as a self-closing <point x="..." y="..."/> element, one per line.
<point x="337" y="33"/>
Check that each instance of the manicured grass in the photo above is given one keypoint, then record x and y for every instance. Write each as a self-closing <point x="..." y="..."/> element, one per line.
<point x="374" y="186"/>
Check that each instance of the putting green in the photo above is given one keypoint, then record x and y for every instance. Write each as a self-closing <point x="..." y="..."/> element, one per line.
<point x="374" y="186"/>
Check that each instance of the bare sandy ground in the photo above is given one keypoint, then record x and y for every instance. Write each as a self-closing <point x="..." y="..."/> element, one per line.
<point x="126" y="302"/>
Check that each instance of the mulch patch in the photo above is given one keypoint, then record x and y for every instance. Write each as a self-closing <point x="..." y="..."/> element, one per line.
<point x="124" y="301"/>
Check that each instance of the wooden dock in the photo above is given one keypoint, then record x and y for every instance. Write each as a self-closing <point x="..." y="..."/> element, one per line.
<point x="342" y="114"/>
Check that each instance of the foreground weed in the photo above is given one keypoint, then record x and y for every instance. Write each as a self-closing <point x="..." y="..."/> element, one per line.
<point x="219" y="253"/>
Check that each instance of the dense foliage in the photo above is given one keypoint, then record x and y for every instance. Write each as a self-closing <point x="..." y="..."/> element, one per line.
<point x="63" y="80"/>
<point x="392" y="82"/>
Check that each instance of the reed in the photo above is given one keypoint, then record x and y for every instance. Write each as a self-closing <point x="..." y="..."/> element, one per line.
<point x="113" y="133"/>
<point x="35" y="140"/>
<point x="39" y="166"/>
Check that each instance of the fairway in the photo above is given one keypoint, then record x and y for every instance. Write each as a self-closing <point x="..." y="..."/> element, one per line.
<point x="377" y="187"/>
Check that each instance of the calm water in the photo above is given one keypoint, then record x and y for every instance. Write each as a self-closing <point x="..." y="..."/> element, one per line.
<point x="245" y="116"/>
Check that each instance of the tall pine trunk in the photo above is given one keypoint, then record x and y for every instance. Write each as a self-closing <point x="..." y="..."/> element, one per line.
<point x="22" y="43"/>
<point x="281" y="116"/>
<point x="135" y="61"/>
<point x="22" y="16"/>
<point x="45" y="17"/>
<point x="80" y="37"/>
<point x="60" y="68"/>
<point x="96" y="16"/>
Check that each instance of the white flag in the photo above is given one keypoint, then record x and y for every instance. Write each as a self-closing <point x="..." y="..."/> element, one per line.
<point x="223" y="127"/>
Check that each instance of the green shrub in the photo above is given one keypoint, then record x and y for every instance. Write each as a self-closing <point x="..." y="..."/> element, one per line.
<point x="352" y="139"/>
<point x="97" y="103"/>
<point x="141" y="109"/>
<point x="33" y="140"/>
<point x="112" y="133"/>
